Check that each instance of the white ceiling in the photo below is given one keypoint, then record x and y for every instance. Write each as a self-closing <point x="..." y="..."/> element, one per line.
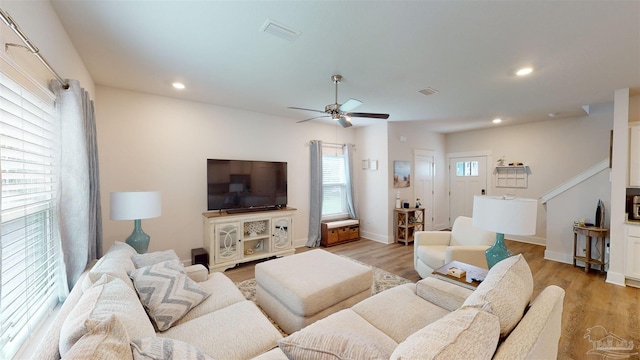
<point x="386" y="51"/>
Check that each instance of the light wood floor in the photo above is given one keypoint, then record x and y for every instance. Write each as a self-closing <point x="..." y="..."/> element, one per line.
<point x="589" y="300"/>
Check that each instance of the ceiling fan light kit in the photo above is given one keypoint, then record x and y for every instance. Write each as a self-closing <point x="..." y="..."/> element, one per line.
<point x="341" y="112"/>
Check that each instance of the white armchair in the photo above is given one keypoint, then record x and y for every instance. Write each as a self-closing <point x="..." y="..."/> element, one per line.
<point x="464" y="243"/>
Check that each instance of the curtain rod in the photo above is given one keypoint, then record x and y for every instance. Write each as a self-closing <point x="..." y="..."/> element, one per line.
<point x="6" y="18"/>
<point x="329" y="144"/>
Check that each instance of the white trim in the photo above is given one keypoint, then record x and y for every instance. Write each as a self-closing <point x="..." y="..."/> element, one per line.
<point x="595" y="169"/>
<point x="616" y="278"/>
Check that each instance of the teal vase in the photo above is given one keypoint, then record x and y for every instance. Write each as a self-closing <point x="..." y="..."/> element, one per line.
<point x="497" y="252"/>
<point x="138" y="239"/>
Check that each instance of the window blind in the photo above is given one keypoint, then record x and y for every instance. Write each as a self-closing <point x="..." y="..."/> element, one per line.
<point x="29" y="252"/>
<point x="334" y="187"/>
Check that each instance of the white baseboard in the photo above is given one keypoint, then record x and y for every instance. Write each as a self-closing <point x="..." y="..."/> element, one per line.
<point x="528" y="239"/>
<point x="375" y="237"/>
<point x="299" y="243"/>
<point x="616" y="278"/>
<point x="558" y="256"/>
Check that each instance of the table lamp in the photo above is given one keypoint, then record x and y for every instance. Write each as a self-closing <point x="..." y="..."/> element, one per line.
<point x="504" y="215"/>
<point x="136" y="205"/>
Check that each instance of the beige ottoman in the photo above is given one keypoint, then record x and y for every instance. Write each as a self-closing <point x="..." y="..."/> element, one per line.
<point x="297" y="290"/>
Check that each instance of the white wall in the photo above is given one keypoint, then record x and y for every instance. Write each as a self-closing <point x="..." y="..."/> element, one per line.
<point x="555" y="150"/>
<point x="373" y="184"/>
<point x="403" y="139"/>
<point x="576" y="203"/>
<point x="148" y="142"/>
<point x="39" y="22"/>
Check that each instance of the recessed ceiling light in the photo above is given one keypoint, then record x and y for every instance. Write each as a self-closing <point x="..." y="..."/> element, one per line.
<point x="178" y="85"/>
<point x="524" y="71"/>
<point x="496" y="121"/>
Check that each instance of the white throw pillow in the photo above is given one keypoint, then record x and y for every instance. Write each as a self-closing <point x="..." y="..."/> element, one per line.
<point x="463" y="334"/>
<point x="166" y="292"/>
<point x="505" y="292"/>
<point x="108" y="296"/>
<point x="157" y="348"/>
<point x="106" y="340"/>
<point x="152" y="258"/>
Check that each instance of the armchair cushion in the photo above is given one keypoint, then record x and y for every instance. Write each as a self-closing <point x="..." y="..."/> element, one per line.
<point x="465" y="243"/>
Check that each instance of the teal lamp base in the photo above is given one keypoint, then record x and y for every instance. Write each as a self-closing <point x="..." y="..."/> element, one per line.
<point x="138" y="239"/>
<point x="497" y="252"/>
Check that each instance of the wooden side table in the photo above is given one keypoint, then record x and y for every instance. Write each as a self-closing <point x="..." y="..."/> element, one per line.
<point x="589" y="232"/>
<point x="406" y="222"/>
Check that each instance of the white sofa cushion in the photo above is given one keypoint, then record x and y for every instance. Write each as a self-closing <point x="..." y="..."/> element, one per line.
<point x="442" y="293"/>
<point x="331" y="344"/>
<point x="463" y="334"/>
<point x="398" y="312"/>
<point x="238" y="331"/>
<point x="151" y="258"/>
<point x="108" y="296"/>
<point x="307" y="343"/>
<point x="505" y="292"/>
<point x="166" y="292"/>
<point x="106" y="339"/>
<point x="223" y="293"/>
<point x="157" y="348"/>
<point x="537" y="334"/>
<point x="115" y="262"/>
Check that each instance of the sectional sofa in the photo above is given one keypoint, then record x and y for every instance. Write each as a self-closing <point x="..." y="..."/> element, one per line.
<point x="103" y="317"/>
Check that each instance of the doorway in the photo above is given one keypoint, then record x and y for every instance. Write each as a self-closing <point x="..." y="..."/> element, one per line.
<point x="467" y="177"/>
<point x="424" y="182"/>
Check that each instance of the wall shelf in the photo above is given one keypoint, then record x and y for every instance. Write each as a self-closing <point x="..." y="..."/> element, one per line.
<point x="512" y="176"/>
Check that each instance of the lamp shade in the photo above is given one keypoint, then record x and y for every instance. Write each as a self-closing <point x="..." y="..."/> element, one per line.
<point x="135" y="205"/>
<point x="513" y="216"/>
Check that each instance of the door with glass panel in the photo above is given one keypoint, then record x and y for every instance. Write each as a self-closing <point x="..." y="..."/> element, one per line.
<point x="467" y="177"/>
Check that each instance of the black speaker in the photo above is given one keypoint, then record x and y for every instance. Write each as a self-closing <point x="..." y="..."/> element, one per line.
<point x="200" y="256"/>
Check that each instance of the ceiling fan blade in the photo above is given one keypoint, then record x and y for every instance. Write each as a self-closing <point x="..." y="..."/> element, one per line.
<point x="344" y="122"/>
<point x="369" y="115"/>
<point x="299" y="108"/>
<point x="350" y="105"/>
<point x="313" y="118"/>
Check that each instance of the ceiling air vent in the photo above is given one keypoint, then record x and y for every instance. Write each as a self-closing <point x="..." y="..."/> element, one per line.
<point x="428" y="91"/>
<point x="279" y="30"/>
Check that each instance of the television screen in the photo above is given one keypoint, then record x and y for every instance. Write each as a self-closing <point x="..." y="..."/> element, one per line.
<point x="245" y="184"/>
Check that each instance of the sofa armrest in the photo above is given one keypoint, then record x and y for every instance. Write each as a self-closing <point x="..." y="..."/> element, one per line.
<point x="442" y="293"/>
<point x="197" y="272"/>
<point x="431" y="238"/>
<point x="472" y="255"/>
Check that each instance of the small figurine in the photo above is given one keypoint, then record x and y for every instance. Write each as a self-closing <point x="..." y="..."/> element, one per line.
<point x="501" y="161"/>
<point x="418" y="203"/>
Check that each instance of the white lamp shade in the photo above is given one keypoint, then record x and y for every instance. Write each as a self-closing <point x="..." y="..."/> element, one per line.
<point x="135" y="205"/>
<point x="513" y="216"/>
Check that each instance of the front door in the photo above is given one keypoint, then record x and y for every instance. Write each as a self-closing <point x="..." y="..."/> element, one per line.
<point x="467" y="177"/>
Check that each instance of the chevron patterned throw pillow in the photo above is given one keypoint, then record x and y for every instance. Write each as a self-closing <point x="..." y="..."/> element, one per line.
<point x="166" y="292"/>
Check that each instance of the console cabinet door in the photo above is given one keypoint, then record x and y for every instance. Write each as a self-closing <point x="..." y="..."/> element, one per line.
<point x="227" y="242"/>
<point x="282" y="233"/>
<point x="633" y="252"/>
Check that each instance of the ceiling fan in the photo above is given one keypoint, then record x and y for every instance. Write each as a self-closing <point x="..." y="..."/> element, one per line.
<point x="341" y="112"/>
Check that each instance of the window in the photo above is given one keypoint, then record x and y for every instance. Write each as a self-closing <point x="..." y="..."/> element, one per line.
<point x="467" y="168"/>
<point x="29" y="256"/>
<point x="334" y="184"/>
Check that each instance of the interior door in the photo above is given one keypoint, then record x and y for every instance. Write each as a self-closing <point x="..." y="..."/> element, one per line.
<point x="424" y="180"/>
<point x="467" y="177"/>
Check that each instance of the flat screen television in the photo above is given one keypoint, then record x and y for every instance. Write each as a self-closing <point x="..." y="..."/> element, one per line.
<point x="245" y="185"/>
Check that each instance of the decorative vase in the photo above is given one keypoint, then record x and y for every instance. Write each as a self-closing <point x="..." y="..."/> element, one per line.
<point x="497" y="252"/>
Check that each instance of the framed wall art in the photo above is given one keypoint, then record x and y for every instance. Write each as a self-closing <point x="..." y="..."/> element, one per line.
<point x="401" y="174"/>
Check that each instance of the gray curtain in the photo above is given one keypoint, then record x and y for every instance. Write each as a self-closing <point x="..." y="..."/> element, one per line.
<point x="348" y="167"/>
<point x="79" y="209"/>
<point x="315" y="208"/>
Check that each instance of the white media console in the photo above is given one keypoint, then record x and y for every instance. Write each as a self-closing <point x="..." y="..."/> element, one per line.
<point x="231" y="239"/>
